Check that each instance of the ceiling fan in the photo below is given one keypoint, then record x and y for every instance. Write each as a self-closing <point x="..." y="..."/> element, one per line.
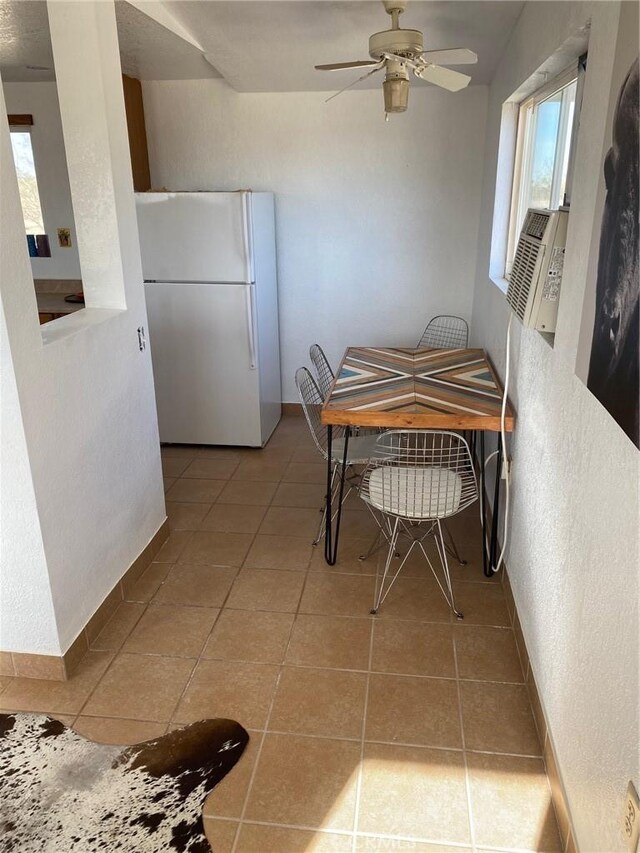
<point x="397" y="51"/>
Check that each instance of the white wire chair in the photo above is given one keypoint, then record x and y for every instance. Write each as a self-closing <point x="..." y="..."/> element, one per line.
<point x="323" y="369"/>
<point x="359" y="449"/>
<point x="325" y="375"/>
<point x="445" y="331"/>
<point x="417" y="478"/>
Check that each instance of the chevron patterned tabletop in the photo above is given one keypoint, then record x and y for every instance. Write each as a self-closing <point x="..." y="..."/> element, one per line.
<point x="421" y="388"/>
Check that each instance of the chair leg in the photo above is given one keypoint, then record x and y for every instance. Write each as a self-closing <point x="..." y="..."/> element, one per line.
<point x="445" y="567"/>
<point x="334" y="490"/>
<point x="451" y="546"/>
<point x="392" y="547"/>
<point x="373" y="547"/>
<point x="394" y="532"/>
<point x="381" y="533"/>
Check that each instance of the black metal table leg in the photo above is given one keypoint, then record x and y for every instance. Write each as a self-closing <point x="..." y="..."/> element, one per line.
<point x="331" y="543"/>
<point x="490" y="548"/>
<point x="496" y="510"/>
<point x="483" y="496"/>
<point x="327" y="500"/>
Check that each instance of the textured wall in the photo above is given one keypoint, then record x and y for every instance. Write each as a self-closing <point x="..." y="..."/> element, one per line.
<point x="573" y="557"/>
<point x="25" y="594"/>
<point x="41" y="100"/>
<point x="99" y="496"/>
<point x="376" y="222"/>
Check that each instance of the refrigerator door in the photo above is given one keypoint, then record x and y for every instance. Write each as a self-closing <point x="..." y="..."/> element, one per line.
<point x="188" y="237"/>
<point x="204" y="358"/>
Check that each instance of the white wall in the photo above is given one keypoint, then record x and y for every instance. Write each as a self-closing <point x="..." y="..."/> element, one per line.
<point x="376" y="222"/>
<point x="41" y="101"/>
<point x="573" y="557"/>
<point x="25" y="593"/>
<point x="99" y="497"/>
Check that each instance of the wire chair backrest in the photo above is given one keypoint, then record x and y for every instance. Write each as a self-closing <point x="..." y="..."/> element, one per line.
<point x="420" y="474"/>
<point x="445" y="331"/>
<point x="312" y="401"/>
<point x="323" y="369"/>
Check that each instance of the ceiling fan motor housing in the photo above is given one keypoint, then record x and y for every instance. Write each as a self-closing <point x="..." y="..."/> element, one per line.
<point x="404" y="43"/>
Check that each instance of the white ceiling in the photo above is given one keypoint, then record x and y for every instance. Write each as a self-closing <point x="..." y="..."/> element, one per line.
<point x="148" y="50"/>
<point x="264" y="46"/>
<point x="24" y="41"/>
<point x="272" y="46"/>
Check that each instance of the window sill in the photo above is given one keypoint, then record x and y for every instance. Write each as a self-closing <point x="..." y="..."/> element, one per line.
<point x="500" y="282"/>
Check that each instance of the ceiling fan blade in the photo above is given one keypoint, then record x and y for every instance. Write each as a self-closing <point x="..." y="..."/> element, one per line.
<point x="443" y="77"/>
<point x="338" y="66"/>
<point x="453" y="56"/>
<point x="379" y="65"/>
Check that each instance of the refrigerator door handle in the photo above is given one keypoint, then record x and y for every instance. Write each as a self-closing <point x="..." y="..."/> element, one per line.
<point x="248" y="235"/>
<point x="250" y="326"/>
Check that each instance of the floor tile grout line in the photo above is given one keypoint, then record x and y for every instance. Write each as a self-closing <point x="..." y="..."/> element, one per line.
<point x="189" y="680"/>
<point x="224" y="603"/>
<point x="343" y="833"/>
<point x="99" y="681"/>
<point x="295" y="665"/>
<point x="109" y="665"/>
<point x="307" y="736"/>
<point x="282" y="664"/>
<point x="133" y="627"/>
<point x="417" y="574"/>
<point x="360" y="772"/>
<point x="171" y="719"/>
<point x="413" y="838"/>
<point x="200" y="658"/>
<point x="390" y="674"/>
<point x="266" y="726"/>
<point x="254" y="769"/>
<point x="315" y="574"/>
<point x="467" y="780"/>
<point x="302" y="826"/>
<point x="364" y="834"/>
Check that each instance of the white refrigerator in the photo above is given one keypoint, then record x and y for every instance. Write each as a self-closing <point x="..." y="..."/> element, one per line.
<point x="209" y="265"/>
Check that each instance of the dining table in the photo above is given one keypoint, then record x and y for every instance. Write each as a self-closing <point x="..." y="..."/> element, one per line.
<point x="424" y="388"/>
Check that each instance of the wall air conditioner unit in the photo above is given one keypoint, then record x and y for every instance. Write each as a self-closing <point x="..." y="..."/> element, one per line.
<point x="536" y="276"/>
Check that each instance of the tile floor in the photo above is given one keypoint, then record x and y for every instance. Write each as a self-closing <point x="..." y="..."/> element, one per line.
<point x="406" y="731"/>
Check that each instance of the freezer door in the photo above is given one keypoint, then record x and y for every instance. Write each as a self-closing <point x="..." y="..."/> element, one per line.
<point x="203" y="351"/>
<point x="195" y="236"/>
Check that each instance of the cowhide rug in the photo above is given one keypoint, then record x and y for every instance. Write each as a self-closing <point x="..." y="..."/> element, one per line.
<point x="60" y="792"/>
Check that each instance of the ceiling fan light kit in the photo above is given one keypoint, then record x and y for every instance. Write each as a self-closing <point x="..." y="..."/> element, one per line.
<point x="396" y="95"/>
<point x="397" y="50"/>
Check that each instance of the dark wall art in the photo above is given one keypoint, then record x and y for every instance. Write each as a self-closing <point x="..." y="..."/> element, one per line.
<point x="608" y="352"/>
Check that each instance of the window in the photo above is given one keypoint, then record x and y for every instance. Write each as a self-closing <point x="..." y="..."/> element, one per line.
<point x="543" y="152"/>
<point x="27" y="181"/>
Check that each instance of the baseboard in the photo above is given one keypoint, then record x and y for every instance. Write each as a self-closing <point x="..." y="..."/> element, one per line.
<point x="60" y="668"/>
<point x="558" y="795"/>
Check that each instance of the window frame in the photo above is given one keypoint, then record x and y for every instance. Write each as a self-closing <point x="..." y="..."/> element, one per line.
<point x="525" y="134"/>
<point x="24" y="124"/>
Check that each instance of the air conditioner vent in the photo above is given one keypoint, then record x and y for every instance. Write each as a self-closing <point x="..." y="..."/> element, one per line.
<point x="523" y="274"/>
<point x="536" y="276"/>
<point x="535" y="224"/>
